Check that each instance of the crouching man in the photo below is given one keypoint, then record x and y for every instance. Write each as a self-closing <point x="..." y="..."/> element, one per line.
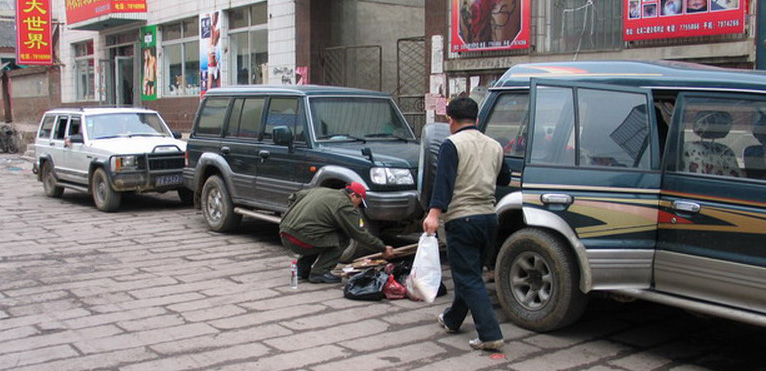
<point x="318" y="226"/>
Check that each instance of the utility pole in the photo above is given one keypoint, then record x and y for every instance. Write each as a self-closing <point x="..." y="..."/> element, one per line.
<point x="760" y="35"/>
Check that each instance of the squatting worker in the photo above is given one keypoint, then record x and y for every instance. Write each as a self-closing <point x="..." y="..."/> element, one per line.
<point x="318" y="226"/>
<point x="469" y="168"/>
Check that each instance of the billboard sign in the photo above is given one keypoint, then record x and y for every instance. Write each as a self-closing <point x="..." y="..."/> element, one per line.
<point x="34" y="44"/>
<point x="479" y="25"/>
<point x="662" y="19"/>
<point x="83" y="10"/>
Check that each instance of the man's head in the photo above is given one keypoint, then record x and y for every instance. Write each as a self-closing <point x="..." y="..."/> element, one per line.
<point x="358" y="194"/>
<point x="461" y="111"/>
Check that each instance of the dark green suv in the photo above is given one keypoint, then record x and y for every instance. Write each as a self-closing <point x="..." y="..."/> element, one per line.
<point x="646" y="179"/>
<point x="252" y="146"/>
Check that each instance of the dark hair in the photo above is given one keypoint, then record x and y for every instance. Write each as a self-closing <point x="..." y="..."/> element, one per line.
<point x="463" y="109"/>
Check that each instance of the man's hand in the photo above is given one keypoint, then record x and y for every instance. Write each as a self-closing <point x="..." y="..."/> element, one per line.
<point x="388" y="253"/>
<point x="431" y="222"/>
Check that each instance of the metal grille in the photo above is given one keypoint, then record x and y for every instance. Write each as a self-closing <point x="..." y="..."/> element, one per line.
<point x="580" y="25"/>
<point x="353" y="66"/>
<point x="167" y="162"/>
<point x="411" y="80"/>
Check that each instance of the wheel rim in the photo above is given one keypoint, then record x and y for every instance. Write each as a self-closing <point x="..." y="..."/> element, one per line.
<point x="214" y="205"/>
<point x="48" y="182"/>
<point x="100" y="190"/>
<point x="531" y="280"/>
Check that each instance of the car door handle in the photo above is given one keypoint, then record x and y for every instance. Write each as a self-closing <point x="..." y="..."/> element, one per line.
<point x="556" y="199"/>
<point x="225" y="150"/>
<point x="264" y="155"/>
<point x="686" y="206"/>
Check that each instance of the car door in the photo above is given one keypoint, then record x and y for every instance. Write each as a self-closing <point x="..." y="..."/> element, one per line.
<point x="57" y="145"/>
<point x="279" y="165"/>
<point x="76" y="158"/>
<point x="243" y="144"/>
<point x="592" y="171"/>
<point x="44" y="133"/>
<point x="713" y="220"/>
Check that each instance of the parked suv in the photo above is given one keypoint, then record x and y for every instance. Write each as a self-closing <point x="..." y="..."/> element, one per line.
<point x="252" y="146"/>
<point x="636" y="178"/>
<point x="107" y="152"/>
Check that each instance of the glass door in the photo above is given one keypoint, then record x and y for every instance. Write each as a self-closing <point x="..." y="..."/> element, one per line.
<point x="123" y="73"/>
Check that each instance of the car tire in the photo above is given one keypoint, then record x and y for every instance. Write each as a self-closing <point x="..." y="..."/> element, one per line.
<point x="186" y="195"/>
<point x="537" y="278"/>
<point x="105" y="198"/>
<point x="217" y="208"/>
<point x="49" y="182"/>
<point x="431" y="139"/>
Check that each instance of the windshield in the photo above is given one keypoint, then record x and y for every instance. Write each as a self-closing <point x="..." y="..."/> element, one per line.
<point x="125" y="125"/>
<point x="357" y="118"/>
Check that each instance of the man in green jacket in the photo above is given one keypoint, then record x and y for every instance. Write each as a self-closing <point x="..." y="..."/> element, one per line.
<point x="319" y="224"/>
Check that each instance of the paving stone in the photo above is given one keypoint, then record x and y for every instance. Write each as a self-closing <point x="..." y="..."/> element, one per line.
<point x="292" y="360"/>
<point x="331" y="335"/>
<point x="201" y="360"/>
<point x="387" y="359"/>
<point x="144" y="338"/>
<point x="42" y="355"/>
<point x="224" y="339"/>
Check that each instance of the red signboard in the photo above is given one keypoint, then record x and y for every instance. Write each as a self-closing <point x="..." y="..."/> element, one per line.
<point x="33" y="32"/>
<point x="662" y="19"/>
<point x="83" y="10"/>
<point x="490" y="25"/>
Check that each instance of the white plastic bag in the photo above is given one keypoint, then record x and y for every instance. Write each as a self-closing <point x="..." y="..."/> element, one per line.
<point x="426" y="274"/>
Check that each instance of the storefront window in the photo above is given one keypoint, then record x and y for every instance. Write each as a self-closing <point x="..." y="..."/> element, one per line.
<point x="84" y="71"/>
<point x="180" y="58"/>
<point x="248" y="38"/>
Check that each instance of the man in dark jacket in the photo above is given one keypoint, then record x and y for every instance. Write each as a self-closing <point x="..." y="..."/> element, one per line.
<point x="318" y="226"/>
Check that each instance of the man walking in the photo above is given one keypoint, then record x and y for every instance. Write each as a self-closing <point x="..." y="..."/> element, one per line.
<point x="470" y="165"/>
<point x="318" y="226"/>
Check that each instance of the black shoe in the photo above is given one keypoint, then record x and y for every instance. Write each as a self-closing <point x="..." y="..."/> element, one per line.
<point x="324" y="278"/>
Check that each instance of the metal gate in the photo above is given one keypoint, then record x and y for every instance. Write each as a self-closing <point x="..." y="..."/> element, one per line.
<point x="411" y="80"/>
<point x="353" y="66"/>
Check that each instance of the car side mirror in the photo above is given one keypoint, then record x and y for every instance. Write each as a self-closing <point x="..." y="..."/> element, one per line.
<point x="177" y="134"/>
<point x="282" y="136"/>
<point x="76" y="138"/>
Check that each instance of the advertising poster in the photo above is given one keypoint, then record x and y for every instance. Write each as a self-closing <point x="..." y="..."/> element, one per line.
<point x="149" y="63"/>
<point x="210" y="51"/>
<point x="662" y="19"/>
<point x="82" y="10"/>
<point x="490" y="25"/>
<point x="33" y="32"/>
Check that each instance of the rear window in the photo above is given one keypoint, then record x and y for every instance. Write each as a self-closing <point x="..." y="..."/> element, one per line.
<point x="46" y="127"/>
<point x="212" y="116"/>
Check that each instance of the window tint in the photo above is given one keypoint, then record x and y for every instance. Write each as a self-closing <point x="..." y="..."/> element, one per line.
<point x="234" y="117"/>
<point x="507" y="123"/>
<point x="554" y="123"/>
<point x="250" y="121"/>
<point x="212" y="116"/>
<point x="282" y="112"/>
<point x="724" y="137"/>
<point x="74" y="126"/>
<point x="46" y="127"/>
<point x="617" y="136"/>
<point x="60" y="131"/>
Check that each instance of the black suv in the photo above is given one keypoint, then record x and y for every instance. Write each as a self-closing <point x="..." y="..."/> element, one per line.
<point x="251" y="146"/>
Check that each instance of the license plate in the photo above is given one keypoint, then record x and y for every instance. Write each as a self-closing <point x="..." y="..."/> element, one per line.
<point x="164" y="180"/>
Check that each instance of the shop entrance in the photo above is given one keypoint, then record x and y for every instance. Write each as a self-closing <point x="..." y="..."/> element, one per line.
<point x="123" y="73"/>
<point x="120" y="71"/>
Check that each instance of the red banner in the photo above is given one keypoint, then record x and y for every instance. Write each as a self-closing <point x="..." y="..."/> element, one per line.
<point x="662" y="19"/>
<point x="33" y="32"/>
<point x="83" y="10"/>
<point x="490" y="25"/>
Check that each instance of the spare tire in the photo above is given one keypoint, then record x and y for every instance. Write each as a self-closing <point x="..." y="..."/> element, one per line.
<point x="431" y="139"/>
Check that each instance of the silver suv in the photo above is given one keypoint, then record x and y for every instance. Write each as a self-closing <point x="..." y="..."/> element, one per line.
<point x="108" y="151"/>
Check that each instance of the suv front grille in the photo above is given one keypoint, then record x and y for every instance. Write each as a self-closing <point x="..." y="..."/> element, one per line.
<point x="166" y="162"/>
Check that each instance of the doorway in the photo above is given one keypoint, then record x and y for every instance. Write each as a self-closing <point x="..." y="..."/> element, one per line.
<point x="120" y="75"/>
<point x="123" y="73"/>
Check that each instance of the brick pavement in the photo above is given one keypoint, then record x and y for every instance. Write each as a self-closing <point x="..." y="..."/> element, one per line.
<point x="149" y="288"/>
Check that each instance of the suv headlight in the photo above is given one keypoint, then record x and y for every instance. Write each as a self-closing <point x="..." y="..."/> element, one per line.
<point x="387" y="175"/>
<point x="122" y="163"/>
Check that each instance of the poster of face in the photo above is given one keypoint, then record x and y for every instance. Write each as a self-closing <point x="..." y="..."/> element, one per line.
<point x="490" y="25"/>
<point x="149" y="63"/>
<point x="210" y="51"/>
<point x="662" y="19"/>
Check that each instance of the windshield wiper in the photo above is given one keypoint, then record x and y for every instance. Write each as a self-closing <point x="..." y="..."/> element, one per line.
<point x="145" y="135"/>
<point x="344" y="137"/>
<point x="386" y="135"/>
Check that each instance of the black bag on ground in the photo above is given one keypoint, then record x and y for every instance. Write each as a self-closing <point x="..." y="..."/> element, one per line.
<point x="366" y="285"/>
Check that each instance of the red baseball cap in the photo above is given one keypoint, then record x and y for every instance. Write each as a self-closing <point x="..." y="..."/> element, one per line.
<point x="360" y="190"/>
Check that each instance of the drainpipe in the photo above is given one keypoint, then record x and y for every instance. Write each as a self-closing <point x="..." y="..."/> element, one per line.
<point x="760" y="35"/>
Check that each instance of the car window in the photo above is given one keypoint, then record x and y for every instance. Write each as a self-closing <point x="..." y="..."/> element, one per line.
<point x="46" y="127"/>
<point x="723" y="137"/>
<point x="507" y="122"/>
<point x="352" y="118"/>
<point x="554" y="111"/>
<point x="74" y="126"/>
<point x="250" y="120"/>
<point x="282" y="112"/>
<point x="212" y="116"/>
<point x="60" y="130"/>
<point x="614" y="129"/>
